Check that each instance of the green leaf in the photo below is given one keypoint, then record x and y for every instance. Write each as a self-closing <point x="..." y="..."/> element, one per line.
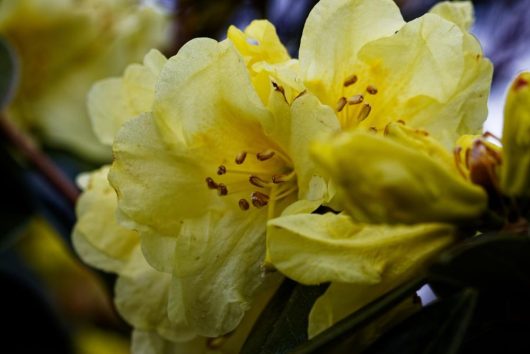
<point x="283" y="323"/>
<point x="439" y="328"/>
<point x="337" y="339"/>
<point x="8" y="73"/>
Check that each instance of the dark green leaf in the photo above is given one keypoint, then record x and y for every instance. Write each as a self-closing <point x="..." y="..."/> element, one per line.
<point x="8" y="73"/>
<point x="283" y="323"/>
<point x="336" y="339"/>
<point x="437" y="329"/>
<point x="495" y="263"/>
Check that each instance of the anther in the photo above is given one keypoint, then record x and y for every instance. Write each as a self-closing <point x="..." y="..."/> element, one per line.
<point x="364" y="112"/>
<point x="211" y="183"/>
<point x="243" y="204"/>
<point x="356" y="99"/>
<point x="401" y="121"/>
<point x="221" y="170"/>
<point x="259" y="200"/>
<point x="372" y="130"/>
<point x="277" y="179"/>
<point x="340" y="104"/>
<point x="222" y="190"/>
<point x="371" y="90"/>
<point x="265" y="155"/>
<point x="258" y="182"/>
<point x="240" y="158"/>
<point x="350" y="80"/>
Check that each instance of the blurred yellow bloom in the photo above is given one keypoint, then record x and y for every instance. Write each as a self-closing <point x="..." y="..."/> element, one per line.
<point x="210" y="165"/>
<point x="361" y="58"/>
<point x="64" y="46"/>
<point x="515" y="175"/>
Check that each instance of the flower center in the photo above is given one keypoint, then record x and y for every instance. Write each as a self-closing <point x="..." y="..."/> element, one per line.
<point x="354" y="105"/>
<point x="255" y="179"/>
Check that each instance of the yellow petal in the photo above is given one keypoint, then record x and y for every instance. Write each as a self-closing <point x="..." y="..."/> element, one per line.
<point x="219" y="272"/>
<point x="460" y="13"/>
<point x="515" y="170"/>
<point x="97" y="237"/>
<point x="334" y="32"/>
<point x="142" y="299"/>
<point x="204" y="92"/>
<point x="313" y="249"/>
<point x="384" y="181"/>
<point x="145" y="170"/>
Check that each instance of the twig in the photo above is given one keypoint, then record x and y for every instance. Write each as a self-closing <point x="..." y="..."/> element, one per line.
<point x="40" y="161"/>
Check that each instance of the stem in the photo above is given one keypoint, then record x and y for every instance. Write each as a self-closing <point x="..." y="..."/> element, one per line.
<point x="44" y="165"/>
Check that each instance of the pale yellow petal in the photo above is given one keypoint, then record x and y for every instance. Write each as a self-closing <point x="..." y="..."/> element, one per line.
<point x="157" y="187"/>
<point x="310" y="121"/>
<point x="221" y="272"/>
<point x="313" y="249"/>
<point x="334" y="33"/>
<point x="204" y="94"/>
<point x="142" y="295"/>
<point x="460" y="13"/>
<point x="515" y="168"/>
<point x="97" y="237"/>
<point x="108" y="109"/>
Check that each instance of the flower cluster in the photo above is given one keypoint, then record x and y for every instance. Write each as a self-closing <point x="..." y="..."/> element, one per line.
<point x="235" y="164"/>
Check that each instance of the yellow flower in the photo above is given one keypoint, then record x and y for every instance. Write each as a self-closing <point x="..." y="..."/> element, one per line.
<point x="64" y="46"/>
<point x="515" y="175"/>
<point x="201" y="174"/>
<point x="150" y="300"/>
<point x="403" y="93"/>
<point x="362" y="59"/>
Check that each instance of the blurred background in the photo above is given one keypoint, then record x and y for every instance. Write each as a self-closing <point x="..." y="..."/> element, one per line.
<point x="45" y="289"/>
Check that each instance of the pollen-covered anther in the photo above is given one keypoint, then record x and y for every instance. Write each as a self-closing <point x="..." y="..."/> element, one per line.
<point x="222" y="190"/>
<point x="211" y="183"/>
<point x="372" y="130"/>
<point x="259" y="200"/>
<point x="243" y="204"/>
<point x="258" y="182"/>
<point x="371" y="90"/>
<point x="340" y="104"/>
<point x="350" y="80"/>
<point x="277" y="179"/>
<point x="364" y="112"/>
<point x="240" y="158"/>
<point x="355" y="99"/>
<point x="265" y="155"/>
<point x="221" y="170"/>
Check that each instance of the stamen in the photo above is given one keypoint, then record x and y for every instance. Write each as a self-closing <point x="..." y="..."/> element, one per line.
<point x="259" y="200"/>
<point x="211" y="183"/>
<point x="258" y="182"/>
<point x="350" y="80"/>
<point x="371" y="90"/>
<point x="265" y="155"/>
<point x="285" y="193"/>
<point x="221" y="170"/>
<point x="240" y="158"/>
<point x="364" y="112"/>
<point x="340" y="104"/>
<point x="243" y="204"/>
<point x="372" y="130"/>
<point x="222" y="190"/>
<point x="277" y="179"/>
<point x="356" y="99"/>
<point x="401" y="121"/>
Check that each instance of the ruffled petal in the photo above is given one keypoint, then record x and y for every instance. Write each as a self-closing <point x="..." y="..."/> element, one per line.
<point x="97" y="237"/>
